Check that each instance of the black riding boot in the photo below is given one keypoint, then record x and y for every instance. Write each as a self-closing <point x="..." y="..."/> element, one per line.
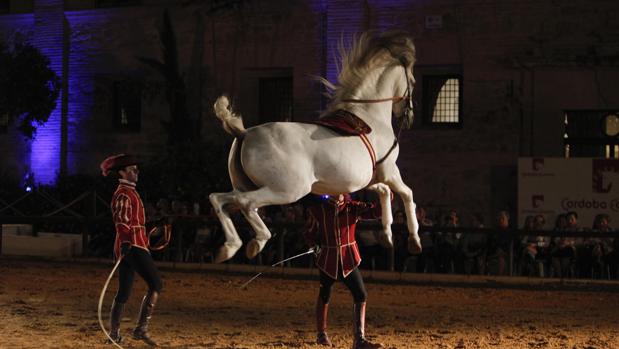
<point x="322" y="310"/>
<point x="359" y="329"/>
<point x="146" y="312"/>
<point x="116" y="314"/>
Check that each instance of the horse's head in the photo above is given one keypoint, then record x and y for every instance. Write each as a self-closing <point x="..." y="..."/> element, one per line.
<point x="403" y="104"/>
<point x="377" y="69"/>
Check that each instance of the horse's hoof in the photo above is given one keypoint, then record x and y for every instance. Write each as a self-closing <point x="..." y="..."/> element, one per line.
<point x="385" y="240"/>
<point x="225" y="253"/>
<point x="252" y="249"/>
<point x="414" y="246"/>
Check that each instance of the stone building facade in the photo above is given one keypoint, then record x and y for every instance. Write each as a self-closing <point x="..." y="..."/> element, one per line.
<point x="521" y="66"/>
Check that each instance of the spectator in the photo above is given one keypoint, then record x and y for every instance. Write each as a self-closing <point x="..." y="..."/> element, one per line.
<point x="448" y="244"/>
<point x="528" y="264"/>
<point x="499" y="245"/>
<point x="474" y="246"/>
<point x="402" y="259"/>
<point x="563" y="252"/>
<point x="428" y="254"/>
<point x="542" y="247"/>
<point x="599" y="247"/>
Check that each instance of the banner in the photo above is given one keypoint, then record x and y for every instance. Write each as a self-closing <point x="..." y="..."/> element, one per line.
<point x="551" y="186"/>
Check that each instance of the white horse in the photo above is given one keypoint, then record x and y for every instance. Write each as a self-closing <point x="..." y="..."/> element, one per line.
<point x="280" y="162"/>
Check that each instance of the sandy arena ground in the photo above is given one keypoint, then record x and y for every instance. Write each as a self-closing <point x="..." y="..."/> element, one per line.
<point x="54" y="305"/>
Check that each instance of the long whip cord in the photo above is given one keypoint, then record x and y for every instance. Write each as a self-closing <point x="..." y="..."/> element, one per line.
<point x="311" y="250"/>
<point x="107" y="283"/>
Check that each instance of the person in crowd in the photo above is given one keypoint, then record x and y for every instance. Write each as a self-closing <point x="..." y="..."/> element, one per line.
<point x="131" y="246"/>
<point x="499" y="243"/>
<point x="474" y="246"/>
<point x="563" y="252"/>
<point x="599" y="247"/>
<point x="332" y="227"/>
<point x="541" y="247"/>
<point x="448" y="244"/>
<point x="534" y="255"/>
<point x="428" y="254"/>
<point x="403" y="260"/>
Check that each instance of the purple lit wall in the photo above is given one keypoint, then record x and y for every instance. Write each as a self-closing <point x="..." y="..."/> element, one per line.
<point x="48" y="37"/>
<point x="346" y="18"/>
<point x="343" y="20"/>
<point x="84" y="56"/>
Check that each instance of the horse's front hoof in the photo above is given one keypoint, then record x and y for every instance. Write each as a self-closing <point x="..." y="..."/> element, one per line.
<point x="385" y="240"/>
<point x="414" y="245"/>
<point x="225" y="253"/>
<point x="253" y="248"/>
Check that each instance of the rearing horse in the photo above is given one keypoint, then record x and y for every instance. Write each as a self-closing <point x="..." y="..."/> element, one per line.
<point x="280" y="162"/>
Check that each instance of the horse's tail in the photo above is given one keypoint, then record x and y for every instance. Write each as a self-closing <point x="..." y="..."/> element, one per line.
<point x="232" y="123"/>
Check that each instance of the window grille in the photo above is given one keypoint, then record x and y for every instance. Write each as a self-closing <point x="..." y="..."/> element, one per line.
<point x="275" y="99"/>
<point x="442" y="100"/>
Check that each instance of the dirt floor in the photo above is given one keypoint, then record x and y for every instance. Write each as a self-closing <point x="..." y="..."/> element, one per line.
<point x="54" y="305"/>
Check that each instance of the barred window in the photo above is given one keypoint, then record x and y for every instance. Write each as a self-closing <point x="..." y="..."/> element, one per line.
<point x="275" y="99"/>
<point x="266" y="95"/>
<point x="442" y="100"/>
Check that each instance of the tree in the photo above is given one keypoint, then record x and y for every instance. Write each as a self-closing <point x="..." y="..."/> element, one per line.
<point x="29" y="88"/>
<point x="182" y="126"/>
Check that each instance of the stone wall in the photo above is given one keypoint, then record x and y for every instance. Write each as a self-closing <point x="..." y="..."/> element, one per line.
<point x="523" y="63"/>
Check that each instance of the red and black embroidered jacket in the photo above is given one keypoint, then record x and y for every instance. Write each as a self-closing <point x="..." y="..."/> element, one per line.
<point x="128" y="215"/>
<point x="336" y="224"/>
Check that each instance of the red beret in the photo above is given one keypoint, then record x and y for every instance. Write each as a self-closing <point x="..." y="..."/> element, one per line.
<point x="117" y="162"/>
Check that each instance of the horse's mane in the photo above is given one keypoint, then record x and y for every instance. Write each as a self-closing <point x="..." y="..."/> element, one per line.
<point x="370" y="50"/>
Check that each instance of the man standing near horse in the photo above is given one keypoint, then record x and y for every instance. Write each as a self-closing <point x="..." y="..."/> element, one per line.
<point x="132" y="246"/>
<point x="332" y="225"/>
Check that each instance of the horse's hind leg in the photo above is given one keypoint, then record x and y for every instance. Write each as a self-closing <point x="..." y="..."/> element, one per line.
<point x="263" y="234"/>
<point x="384" y="193"/>
<point x="251" y="201"/>
<point x="233" y="242"/>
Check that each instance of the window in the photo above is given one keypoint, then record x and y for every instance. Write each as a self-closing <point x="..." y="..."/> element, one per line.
<point x="266" y="95"/>
<point x="127" y="106"/>
<point x="275" y="99"/>
<point x="438" y="96"/>
<point x="442" y="100"/>
<point x="5" y="6"/>
<point x="591" y="133"/>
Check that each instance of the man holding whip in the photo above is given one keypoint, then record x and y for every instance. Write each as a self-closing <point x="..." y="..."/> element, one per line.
<point x="132" y="247"/>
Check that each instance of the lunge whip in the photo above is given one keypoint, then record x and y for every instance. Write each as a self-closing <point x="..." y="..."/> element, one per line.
<point x="107" y="283"/>
<point x="311" y="250"/>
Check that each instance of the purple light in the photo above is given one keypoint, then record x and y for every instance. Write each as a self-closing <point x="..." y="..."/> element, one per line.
<point x="48" y="37"/>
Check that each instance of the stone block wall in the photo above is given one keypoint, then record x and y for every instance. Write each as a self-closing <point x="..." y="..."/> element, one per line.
<point x="523" y="63"/>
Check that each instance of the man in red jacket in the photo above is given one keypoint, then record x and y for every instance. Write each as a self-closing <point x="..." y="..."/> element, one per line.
<point x="332" y="226"/>
<point x="131" y="245"/>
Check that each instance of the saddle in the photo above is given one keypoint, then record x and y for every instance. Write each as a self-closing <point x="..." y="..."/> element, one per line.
<point x="344" y="123"/>
<point x="348" y="124"/>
